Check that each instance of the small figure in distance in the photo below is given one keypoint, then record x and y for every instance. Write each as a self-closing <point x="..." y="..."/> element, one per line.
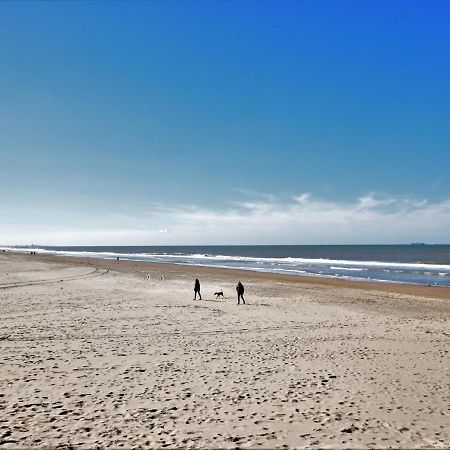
<point x="219" y="294"/>
<point x="240" y="292"/>
<point x="197" y="289"/>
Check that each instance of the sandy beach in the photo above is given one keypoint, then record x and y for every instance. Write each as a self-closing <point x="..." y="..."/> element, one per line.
<point x="98" y="353"/>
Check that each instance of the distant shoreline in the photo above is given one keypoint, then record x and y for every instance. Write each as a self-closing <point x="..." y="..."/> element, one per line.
<point x="405" y="264"/>
<point x="435" y="292"/>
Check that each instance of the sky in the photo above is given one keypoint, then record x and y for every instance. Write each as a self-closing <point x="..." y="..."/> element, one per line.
<point x="232" y="122"/>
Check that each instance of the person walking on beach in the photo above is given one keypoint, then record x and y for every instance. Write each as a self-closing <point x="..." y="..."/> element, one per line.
<point x="240" y="292"/>
<point x="197" y="289"/>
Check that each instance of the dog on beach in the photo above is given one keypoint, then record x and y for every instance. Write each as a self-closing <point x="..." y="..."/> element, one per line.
<point x="219" y="294"/>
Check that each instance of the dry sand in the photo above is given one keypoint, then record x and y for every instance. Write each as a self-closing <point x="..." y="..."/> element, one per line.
<point x="117" y="354"/>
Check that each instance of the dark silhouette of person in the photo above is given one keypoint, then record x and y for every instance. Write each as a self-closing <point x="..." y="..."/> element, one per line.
<point x="197" y="289"/>
<point x="240" y="292"/>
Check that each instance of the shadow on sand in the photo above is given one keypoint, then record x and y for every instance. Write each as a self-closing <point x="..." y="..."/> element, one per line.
<point x="211" y="300"/>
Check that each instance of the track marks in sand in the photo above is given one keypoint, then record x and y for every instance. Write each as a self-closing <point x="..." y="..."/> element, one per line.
<point x="152" y="280"/>
<point x="94" y="273"/>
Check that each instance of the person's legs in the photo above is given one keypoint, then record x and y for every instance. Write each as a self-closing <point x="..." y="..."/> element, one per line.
<point x="199" y="295"/>
<point x="195" y="295"/>
<point x="243" y="301"/>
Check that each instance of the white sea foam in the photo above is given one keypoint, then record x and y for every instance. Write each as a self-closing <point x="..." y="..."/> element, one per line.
<point x="311" y="261"/>
<point x="353" y="269"/>
<point x="310" y="266"/>
<point x="284" y="261"/>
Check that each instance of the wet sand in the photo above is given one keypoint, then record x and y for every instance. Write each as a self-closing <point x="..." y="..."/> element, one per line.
<point x="102" y="353"/>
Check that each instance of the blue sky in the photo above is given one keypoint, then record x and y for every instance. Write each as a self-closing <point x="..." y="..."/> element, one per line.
<point x="170" y="122"/>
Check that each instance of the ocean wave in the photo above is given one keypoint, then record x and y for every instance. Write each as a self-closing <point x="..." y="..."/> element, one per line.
<point x="334" y="268"/>
<point x="333" y="263"/>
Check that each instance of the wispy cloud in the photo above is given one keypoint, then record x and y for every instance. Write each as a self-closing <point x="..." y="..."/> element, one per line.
<point x="306" y="219"/>
<point x="302" y="219"/>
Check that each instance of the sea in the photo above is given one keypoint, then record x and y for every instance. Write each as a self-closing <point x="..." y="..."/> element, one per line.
<point x="413" y="263"/>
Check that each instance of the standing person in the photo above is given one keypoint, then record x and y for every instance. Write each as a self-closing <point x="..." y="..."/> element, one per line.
<point x="240" y="292"/>
<point x="197" y="289"/>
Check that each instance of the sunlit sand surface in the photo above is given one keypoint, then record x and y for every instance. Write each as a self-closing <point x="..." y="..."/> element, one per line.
<point x="117" y="354"/>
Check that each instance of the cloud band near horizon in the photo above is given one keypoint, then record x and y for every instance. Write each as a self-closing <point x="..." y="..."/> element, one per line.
<point x="302" y="219"/>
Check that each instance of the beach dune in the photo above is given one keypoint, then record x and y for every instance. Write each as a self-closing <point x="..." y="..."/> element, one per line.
<point x="117" y="354"/>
